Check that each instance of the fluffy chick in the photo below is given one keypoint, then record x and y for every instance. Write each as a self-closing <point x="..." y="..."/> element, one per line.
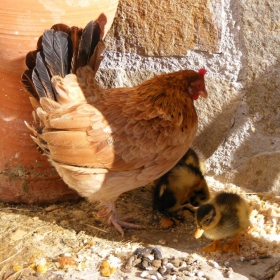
<point x="182" y="186"/>
<point x="227" y="214"/>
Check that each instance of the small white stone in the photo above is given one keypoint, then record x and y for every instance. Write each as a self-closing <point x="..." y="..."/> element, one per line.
<point x="226" y="263"/>
<point x="254" y="245"/>
<point x="183" y="264"/>
<point x="144" y="274"/>
<point x="67" y="255"/>
<point x="169" y="265"/>
<point x="214" y="264"/>
<point x="200" y="273"/>
<point x="159" y="276"/>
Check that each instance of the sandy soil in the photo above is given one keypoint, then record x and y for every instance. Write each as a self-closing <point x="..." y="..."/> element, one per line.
<point x="67" y="241"/>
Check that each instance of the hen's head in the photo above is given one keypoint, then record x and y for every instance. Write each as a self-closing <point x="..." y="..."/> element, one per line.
<point x="196" y="86"/>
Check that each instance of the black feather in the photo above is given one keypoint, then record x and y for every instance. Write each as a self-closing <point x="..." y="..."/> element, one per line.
<point x="26" y="80"/>
<point x="55" y="49"/>
<point x="44" y="75"/>
<point x="96" y="58"/>
<point x="30" y="59"/>
<point x="88" y="42"/>
<point x="61" y="27"/>
<point x="37" y="84"/>
<point x="76" y="34"/>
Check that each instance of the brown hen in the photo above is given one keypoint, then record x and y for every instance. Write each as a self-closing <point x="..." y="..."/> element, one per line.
<point x="104" y="142"/>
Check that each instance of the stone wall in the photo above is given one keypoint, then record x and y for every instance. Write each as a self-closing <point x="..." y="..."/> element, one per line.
<point x="238" y="43"/>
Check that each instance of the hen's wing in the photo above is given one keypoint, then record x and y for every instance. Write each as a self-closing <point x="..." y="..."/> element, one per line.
<point x="121" y="136"/>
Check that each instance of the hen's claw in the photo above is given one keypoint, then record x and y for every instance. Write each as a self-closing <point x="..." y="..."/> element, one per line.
<point x="118" y="224"/>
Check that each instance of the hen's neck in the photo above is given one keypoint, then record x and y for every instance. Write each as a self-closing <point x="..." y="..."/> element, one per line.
<point x="168" y="94"/>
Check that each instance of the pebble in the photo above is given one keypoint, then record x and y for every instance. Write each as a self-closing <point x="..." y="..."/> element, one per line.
<point x="144" y="274"/>
<point x="162" y="270"/>
<point x="214" y="264"/>
<point x="190" y="260"/>
<point x="254" y="245"/>
<point x="253" y="262"/>
<point x="226" y="263"/>
<point x="135" y="262"/>
<point x="229" y="272"/>
<point x="200" y="273"/>
<point x="157" y="253"/>
<point x="156" y="263"/>
<point x="150" y="257"/>
<point x="145" y="264"/>
<point x="175" y="262"/>
<point x="169" y="265"/>
<point x="159" y="276"/>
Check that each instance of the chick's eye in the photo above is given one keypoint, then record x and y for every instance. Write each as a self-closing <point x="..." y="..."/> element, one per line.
<point x="207" y="221"/>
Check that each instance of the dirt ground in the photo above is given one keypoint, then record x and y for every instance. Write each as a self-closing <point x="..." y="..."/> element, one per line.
<point x="66" y="241"/>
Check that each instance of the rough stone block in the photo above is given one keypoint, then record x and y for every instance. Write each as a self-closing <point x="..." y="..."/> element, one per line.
<point x="166" y="28"/>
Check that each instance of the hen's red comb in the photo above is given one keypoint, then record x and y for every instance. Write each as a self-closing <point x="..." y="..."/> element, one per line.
<point x="202" y="71"/>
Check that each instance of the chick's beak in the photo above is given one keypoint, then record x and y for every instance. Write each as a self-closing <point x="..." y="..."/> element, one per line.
<point x="198" y="233"/>
<point x="203" y="93"/>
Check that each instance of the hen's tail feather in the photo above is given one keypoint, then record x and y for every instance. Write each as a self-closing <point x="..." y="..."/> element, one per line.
<point x="37" y="84"/>
<point x="30" y="59"/>
<point x="55" y="49"/>
<point x="26" y="80"/>
<point x="96" y="58"/>
<point x="43" y="85"/>
<point x="60" y="51"/>
<point x="88" y="42"/>
<point x="76" y="34"/>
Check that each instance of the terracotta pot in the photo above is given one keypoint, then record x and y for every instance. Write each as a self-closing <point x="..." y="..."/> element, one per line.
<point x="25" y="175"/>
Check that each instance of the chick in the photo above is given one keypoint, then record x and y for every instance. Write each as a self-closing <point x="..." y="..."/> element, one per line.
<point x="224" y="215"/>
<point x="182" y="186"/>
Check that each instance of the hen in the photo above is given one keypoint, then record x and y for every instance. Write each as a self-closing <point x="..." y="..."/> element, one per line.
<point x="104" y="142"/>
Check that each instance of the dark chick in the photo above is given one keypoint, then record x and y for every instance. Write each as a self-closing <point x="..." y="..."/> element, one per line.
<point x="182" y="186"/>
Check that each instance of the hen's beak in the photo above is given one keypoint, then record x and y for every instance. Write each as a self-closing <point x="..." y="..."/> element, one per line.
<point x="203" y="93"/>
<point x="198" y="233"/>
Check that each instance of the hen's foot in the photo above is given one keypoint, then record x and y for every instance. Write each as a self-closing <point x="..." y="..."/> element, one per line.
<point x="119" y="224"/>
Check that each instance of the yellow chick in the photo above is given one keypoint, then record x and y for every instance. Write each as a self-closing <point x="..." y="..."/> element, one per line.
<point x="224" y="215"/>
